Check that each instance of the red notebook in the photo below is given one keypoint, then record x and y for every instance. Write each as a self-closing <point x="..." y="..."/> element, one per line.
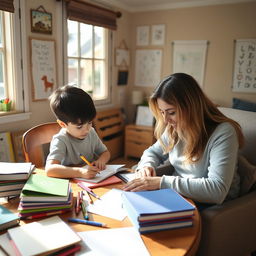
<point x="108" y="181"/>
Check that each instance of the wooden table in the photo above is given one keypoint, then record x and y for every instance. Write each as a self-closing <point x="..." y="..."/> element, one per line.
<point x="177" y="242"/>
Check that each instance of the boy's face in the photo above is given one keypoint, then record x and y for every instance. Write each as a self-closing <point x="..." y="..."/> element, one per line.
<point x="79" y="131"/>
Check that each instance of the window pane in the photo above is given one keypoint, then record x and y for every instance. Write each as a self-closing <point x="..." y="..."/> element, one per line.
<point x="2" y="90"/>
<point x="72" y="71"/>
<point x="99" y="42"/>
<point x="99" y="90"/>
<point x="1" y="30"/>
<point x="72" y="38"/>
<point x="86" y="76"/>
<point x="86" y="40"/>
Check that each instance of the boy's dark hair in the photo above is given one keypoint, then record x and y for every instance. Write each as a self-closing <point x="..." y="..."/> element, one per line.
<point x="72" y="104"/>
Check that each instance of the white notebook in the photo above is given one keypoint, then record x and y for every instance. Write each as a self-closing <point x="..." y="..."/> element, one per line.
<point x="43" y="237"/>
<point x="111" y="169"/>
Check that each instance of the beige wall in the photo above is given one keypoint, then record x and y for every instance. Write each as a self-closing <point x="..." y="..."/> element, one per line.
<point x="220" y="25"/>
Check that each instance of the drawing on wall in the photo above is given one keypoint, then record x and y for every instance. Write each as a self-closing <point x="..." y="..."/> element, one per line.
<point x="148" y="67"/>
<point x="244" y="78"/>
<point x="157" y="34"/>
<point x="190" y="57"/>
<point x="142" y="35"/>
<point x="43" y="64"/>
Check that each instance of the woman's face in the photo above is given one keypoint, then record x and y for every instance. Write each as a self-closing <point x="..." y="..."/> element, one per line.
<point x="168" y="112"/>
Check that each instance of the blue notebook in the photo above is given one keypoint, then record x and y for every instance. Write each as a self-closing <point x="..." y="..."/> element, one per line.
<point x="154" y="205"/>
<point x="7" y="218"/>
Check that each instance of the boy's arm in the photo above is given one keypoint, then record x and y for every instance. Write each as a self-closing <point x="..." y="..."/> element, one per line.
<point x="53" y="168"/>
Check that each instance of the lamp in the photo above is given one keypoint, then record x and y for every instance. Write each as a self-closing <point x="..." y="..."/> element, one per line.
<point x="137" y="97"/>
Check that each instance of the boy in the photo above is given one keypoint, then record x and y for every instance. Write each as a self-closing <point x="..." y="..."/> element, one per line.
<point x="74" y="110"/>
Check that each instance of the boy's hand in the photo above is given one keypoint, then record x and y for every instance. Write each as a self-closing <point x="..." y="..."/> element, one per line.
<point x="100" y="164"/>
<point x="89" y="172"/>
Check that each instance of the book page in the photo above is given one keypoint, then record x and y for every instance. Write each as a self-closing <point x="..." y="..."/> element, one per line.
<point x="110" y="170"/>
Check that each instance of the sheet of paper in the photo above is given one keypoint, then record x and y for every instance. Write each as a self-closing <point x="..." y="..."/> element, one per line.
<point x="109" y="206"/>
<point x="6" y="245"/>
<point x="115" y="242"/>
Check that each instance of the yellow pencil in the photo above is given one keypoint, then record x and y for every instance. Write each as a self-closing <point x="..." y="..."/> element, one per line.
<point x="85" y="160"/>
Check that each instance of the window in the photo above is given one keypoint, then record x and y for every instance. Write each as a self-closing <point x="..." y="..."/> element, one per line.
<point x="11" y="72"/>
<point x="88" y="58"/>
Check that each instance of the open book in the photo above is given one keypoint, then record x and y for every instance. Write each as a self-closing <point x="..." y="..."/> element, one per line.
<point x="111" y="169"/>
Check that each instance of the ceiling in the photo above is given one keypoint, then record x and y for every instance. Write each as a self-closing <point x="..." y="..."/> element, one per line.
<point x="151" y="5"/>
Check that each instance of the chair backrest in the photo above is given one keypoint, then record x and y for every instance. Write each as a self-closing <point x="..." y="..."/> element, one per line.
<point x="247" y="121"/>
<point x="36" y="140"/>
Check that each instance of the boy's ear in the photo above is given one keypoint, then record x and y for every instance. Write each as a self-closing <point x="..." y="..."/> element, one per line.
<point x="61" y="123"/>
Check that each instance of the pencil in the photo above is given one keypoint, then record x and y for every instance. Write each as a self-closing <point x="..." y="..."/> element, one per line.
<point x="85" y="160"/>
<point x="85" y="213"/>
<point x="87" y="222"/>
<point x="90" y="192"/>
<point x="78" y="207"/>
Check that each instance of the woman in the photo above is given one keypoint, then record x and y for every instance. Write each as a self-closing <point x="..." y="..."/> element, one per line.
<point x="199" y="141"/>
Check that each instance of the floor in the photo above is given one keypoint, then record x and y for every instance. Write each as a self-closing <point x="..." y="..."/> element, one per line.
<point x="129" y="162"/>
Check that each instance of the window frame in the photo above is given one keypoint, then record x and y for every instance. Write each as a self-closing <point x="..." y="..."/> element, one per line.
<point x="109" y="42"/>
<point x="20" y="67"/>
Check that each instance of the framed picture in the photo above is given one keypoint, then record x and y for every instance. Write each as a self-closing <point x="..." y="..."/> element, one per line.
<point x="158" y="34"/>
<point x="142" y="37"/>
<point x="122" y="57"/>
<point x="122" y="78"/>
<point x="17" y="146"/>
<point x="41" y="21"/>
<point x="6" y="147"/>
<point x="144" y="116"/>
<point x="43" y="64"/>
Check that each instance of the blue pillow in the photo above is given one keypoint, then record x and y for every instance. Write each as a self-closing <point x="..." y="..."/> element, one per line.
<point x="244" y="105"/>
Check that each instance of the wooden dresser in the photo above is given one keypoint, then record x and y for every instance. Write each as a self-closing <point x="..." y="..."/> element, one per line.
<point x="137" y="139"/>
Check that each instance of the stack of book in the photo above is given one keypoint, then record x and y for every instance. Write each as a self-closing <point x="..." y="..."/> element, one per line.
<point x="43" y="196"/>
<point x="13" y="177"/>
<point x="7" y="218"/>
<point x="50" y="236"/>
<point x="157" y="210"/>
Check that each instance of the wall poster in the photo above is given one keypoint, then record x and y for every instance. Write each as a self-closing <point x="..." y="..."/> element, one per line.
<point x="148" y="67"/>
<point x="43" y="67"/>
<point x="190" y="57"/>
<point x="244" y="77"/>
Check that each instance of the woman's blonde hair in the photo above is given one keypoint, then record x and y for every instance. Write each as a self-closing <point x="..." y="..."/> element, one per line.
<point x="197" y="115"/>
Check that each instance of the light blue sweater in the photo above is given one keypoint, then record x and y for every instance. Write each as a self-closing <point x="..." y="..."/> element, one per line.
<point x="212" y="179"/>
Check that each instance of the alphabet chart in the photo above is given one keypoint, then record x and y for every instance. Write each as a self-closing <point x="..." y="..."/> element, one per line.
<point x="244" y="79"/>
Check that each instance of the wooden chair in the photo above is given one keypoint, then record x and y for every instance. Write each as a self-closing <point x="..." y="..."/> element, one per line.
<point x="35" y="142"/>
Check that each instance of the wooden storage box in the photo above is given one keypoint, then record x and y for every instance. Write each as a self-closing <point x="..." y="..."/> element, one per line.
<point x="109" y="124"/>
<point x="137" y="139"/>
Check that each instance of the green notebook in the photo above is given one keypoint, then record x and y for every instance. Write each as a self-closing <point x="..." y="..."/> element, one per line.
<point x="44" y="188"/>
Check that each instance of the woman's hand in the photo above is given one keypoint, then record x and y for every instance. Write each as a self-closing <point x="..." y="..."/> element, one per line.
<point x="145" y="183"/>
<point x="145" y="172"/>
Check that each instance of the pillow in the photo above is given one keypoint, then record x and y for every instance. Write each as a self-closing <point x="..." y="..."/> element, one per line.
<point x="244" y="105"/>
<point x="247" y="173"/>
